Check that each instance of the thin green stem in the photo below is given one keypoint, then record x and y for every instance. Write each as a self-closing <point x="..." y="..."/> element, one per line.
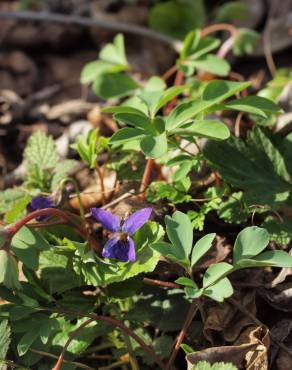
<point x="77" y="191"/>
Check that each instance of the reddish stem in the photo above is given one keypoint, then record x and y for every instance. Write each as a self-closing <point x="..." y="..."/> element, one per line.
<point x="146" y="176"/>
<point x="54" y="212"/>
<point x="72" y="336"/>
<point x="169" y="72"/>
<point x="219" y="27"/>
<point x="177" y="82"/>
<point x="189" y="318"/>
<point x="124" y="328"/>
<point x="161" y="283"/>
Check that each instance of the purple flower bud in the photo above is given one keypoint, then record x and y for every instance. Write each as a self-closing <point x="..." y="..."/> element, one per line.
<point x="41" y="203"/>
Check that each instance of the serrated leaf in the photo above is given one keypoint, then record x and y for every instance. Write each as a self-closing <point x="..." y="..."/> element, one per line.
<point x="5" y="340"/>
<point x="204" y="365"/>
<point x="41" y="151"/>
<point x="262" y="171"/>
<point x="62" y="170"/>
<point x="250" y="242"/>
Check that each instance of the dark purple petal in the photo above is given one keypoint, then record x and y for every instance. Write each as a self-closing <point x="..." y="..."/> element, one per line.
<point x="107" y="219"/>
<point x="122" y="250"/>
<point x="41" y="202"/>
<point x="136" y="220"/>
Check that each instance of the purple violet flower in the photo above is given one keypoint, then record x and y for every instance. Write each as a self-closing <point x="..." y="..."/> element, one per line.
<point x="120" y="245"/>
<point x="41" y="203"/>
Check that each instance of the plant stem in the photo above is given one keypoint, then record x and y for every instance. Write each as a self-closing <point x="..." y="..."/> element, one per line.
<point x="71" y="337"/>
<point x="146" y="176"/>
<point x="189" y="318"/>
<point x="219" y="27"/>
<point x="161" y="283"/>
<point x="101" y="179"/>
<point x="116" y="323"/>
<point x="54" y="212"/>
<point x="46" y="354"/>
<point x="169" y="72"/>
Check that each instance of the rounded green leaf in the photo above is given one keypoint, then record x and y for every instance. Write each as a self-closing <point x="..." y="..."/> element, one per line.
<point x="216" y="272"/>
<point x="210" y="129"/>
<point x="8" y="270"/>
<point x="126" y="134"/>
<point x="219" y="291"/>
<point x="180" y="232"/>
<point x="154" y="146"/>
<point x="270" y="258"/>
<point x="212" y="64"/>
<point x="250" y="242"/>
<point x="219" y="90"/>
<point x="186" y="282"/>
<point x="113" y="85"/>
<point x="201" y="247"/>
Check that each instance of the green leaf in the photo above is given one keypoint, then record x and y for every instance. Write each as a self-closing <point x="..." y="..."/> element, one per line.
<point x="110" y="85"/>
<point x="5" y="339"/>
<point x="269" y="258"/>
<point x="168" y="95"/>
<point x="18" y="210"/>
<point x="186" y="282"/>
<point x="127" y="134"/>
<point x="190" y="43"/>
<point x="154" y="146"/>
<point x="176" y="19"/>
<point x="146" y="259"/>
<point x="10" y="197"/>
<point x="193" y="293"/>
<point x="8" y="270"/>
<point x="205" y="45"/>
<point x="250" y="242"/>
<point x="212" y="64"/>
<point x="204" y="365"/>
<point x="279" y="230"/>
<point x="41" y="151"/>
<point x="173" y="193"/>
<point x="216" y="272"/>
<point x="253" y="104"/>
<point x="219" y="291"/>
<point x="93" y="69"/>
<point x="232" y="11"/>
<point x="115" y="52"/>
<point x="262" y="172"/>
<point x="201" y="247"/>
<point x="219" y="90"/>
<point x="186" y="348"/>
<point x="184" y="112"/>
<point x="135" y="120"/>
<point x="245" y="42"/>
<point x="124" y="109"/>
<point x="215" y="130"/>
<point x="167" y="250"/>
<point x="180" y="233"/>
<point x="26" y="341"/>
<point x="62" y="170"/>
<point x="182" y="171"/>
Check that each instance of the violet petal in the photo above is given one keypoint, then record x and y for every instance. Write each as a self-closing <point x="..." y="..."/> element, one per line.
<point x="136" y="220"/>
<point x="41" y="202"/>
<point x="107" y="219"/>
<point x="131" y="252"/>
<point x="119" y="249"/>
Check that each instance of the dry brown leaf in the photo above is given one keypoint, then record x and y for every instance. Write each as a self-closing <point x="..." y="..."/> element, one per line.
<point x="225" y="323"/>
